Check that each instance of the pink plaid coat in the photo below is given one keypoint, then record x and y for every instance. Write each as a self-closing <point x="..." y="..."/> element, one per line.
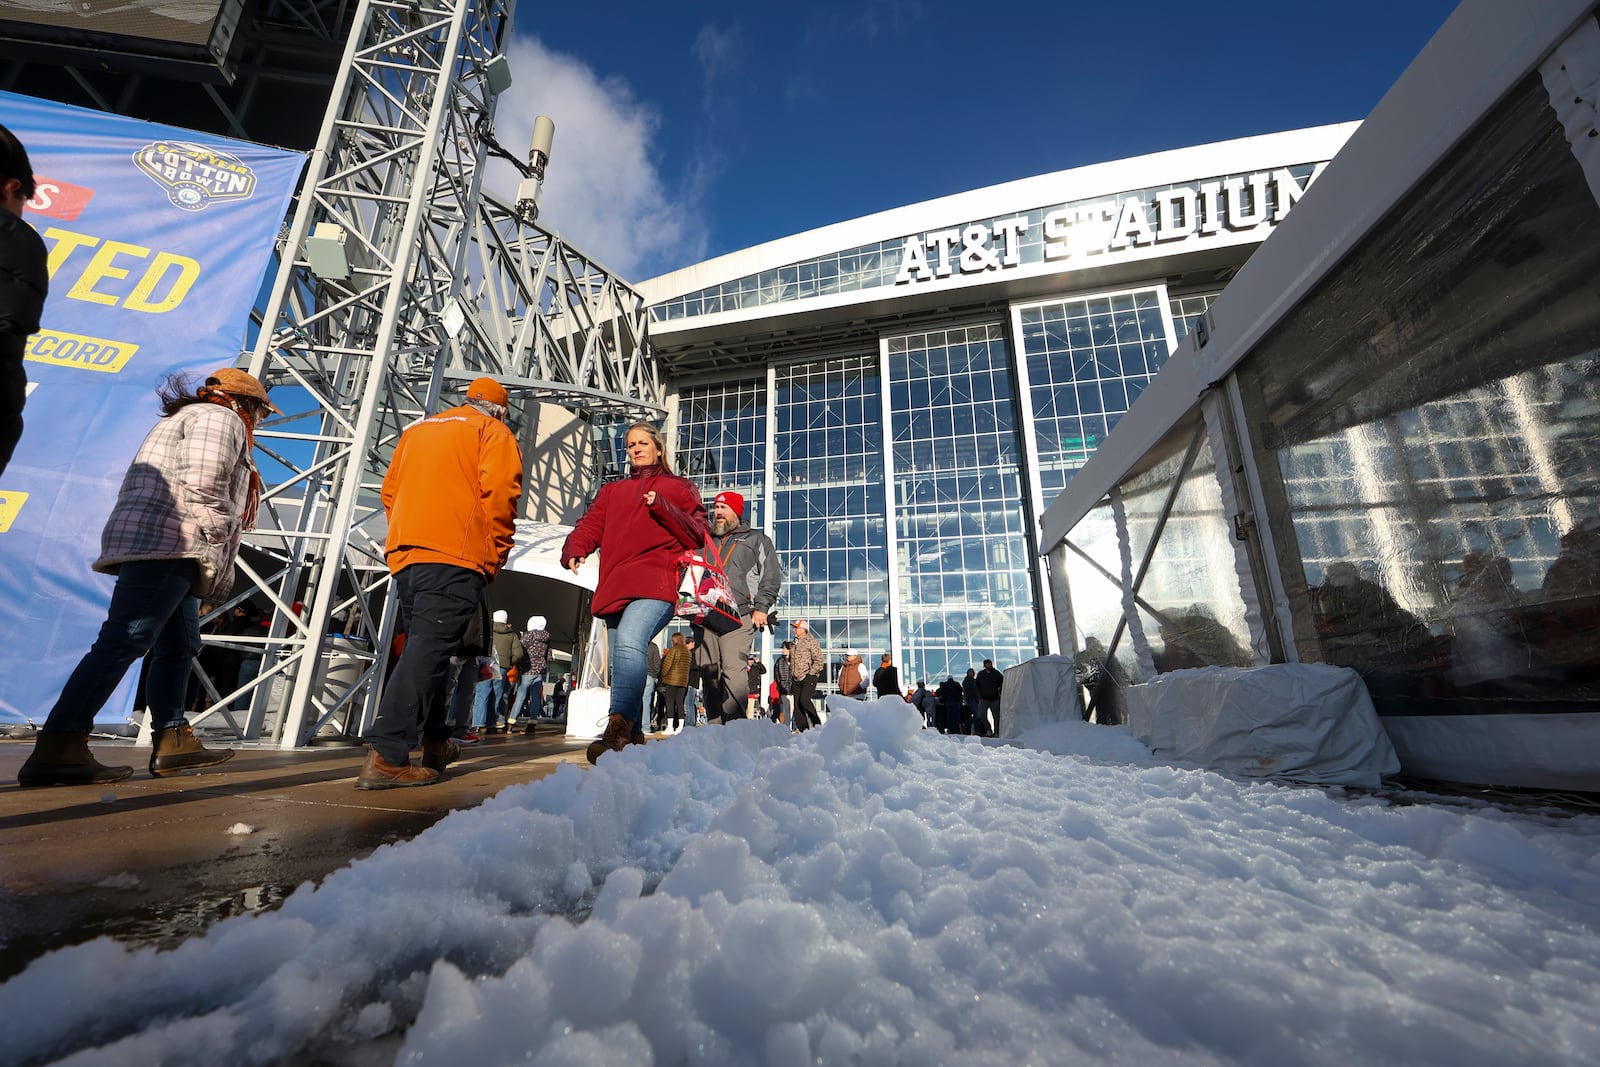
<point x="183" y="497"/>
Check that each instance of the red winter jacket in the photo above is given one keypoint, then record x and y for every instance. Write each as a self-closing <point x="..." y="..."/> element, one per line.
<point x="639" y="545"/>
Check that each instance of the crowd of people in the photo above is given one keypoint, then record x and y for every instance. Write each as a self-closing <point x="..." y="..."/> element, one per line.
<point x="451" y="496"/>
<point x="970" y="706"/>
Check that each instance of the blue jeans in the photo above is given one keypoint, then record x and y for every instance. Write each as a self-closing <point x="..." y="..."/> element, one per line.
<point x="151" y="611"/>
<point x="436" y="602"/>
<point x="488" y="701"/>
<point x="249" y="667"/>
<point x="646" y="707"/>
<point x="629" y="633"/>
<point x="525" y="684"/>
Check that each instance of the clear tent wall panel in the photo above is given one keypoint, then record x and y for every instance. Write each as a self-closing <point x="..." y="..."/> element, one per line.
<point x="1431" y="441"/>
<point x="1190" y="584"/>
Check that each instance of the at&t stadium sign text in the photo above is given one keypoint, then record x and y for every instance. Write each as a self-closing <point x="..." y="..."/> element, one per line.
<point x="1169" y="215"/>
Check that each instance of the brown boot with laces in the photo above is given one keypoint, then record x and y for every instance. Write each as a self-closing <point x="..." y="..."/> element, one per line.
<point x="615" y="739"/>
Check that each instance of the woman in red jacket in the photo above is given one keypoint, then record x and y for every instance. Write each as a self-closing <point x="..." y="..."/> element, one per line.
<point x="640" y="524"/>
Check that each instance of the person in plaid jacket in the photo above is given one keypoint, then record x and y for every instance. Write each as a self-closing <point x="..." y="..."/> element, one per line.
<point x="807" y="663"/>
<point x="189" y="493"/>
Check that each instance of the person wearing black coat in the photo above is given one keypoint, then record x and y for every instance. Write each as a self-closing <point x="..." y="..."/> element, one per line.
<point x="925" y="702"/>
<point x="990" y="684"/>
<point x="754" y="669"/>
<point x="24" y="281"/>
<point x="969" y="700"/>
<point x="948" y="717"/>
<point x="886" y="679"/>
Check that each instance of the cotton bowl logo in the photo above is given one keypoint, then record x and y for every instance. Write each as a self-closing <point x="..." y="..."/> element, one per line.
<point x="195" y="176"/>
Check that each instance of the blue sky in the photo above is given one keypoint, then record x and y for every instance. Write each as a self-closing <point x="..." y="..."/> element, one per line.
<point x="688" y="130"/>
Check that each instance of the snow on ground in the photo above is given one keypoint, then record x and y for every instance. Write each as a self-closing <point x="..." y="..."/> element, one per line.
<point x="875" y="893"/>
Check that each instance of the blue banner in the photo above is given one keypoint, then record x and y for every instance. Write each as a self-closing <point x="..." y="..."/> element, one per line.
<point x="159" y="239"/>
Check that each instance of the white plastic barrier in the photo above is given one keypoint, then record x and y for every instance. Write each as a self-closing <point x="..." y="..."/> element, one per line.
<point x="1036" y="692"/>
<point x="587" y="712"/>
<point x="1304" y="722"/>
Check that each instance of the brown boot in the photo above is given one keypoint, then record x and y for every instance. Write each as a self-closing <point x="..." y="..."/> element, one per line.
<point x="377" y="774"/>
<point x="615" y="739"/>
<point x="176" y="748"/>
<point x="65" y="759"/>
<point x="437" y="755"/>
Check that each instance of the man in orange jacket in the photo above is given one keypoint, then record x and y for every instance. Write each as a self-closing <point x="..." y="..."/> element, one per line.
<point x="451" y="497"/>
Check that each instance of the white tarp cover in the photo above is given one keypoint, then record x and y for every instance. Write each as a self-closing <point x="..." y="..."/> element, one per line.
<point x="537" y="550"/>
<point x="1036" y="692"/>
<point x="587" y="712"/>
<point x="1304" y="722"/>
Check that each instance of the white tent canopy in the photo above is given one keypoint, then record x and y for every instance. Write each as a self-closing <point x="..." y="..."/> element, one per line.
<point x="538" y="551"/>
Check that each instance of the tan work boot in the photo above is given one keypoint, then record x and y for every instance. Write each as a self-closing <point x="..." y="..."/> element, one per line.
<point x="65" y="759"/>
<point x="176" y="748"/>
<point x="376" y="773"/>
<point x="437" y="755"/>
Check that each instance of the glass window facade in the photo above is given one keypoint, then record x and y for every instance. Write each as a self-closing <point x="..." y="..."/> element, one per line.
<point x="900" y="486"/>
<point x="610" y="435"/>
<point x="1186" y="311"/>
<point x="721" y="441"/>
<point x="1088" y="359"/>
<point x="963" y="556"/>
<point x="897" y="486"/>
<point x="964" y="559"/>
<point x="828" y="504"/>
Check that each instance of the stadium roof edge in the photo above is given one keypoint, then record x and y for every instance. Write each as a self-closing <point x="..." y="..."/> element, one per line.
<point x="1094" y="179"/>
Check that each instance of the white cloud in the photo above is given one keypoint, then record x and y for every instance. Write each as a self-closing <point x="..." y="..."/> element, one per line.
<point x="604" y="191"/>
<point x="719" y="51"/>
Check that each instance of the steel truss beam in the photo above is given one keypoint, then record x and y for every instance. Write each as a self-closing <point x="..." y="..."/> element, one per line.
<point x="444" y="285"/>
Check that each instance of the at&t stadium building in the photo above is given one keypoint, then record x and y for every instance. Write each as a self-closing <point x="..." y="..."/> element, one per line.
<point x="900" y="396"/>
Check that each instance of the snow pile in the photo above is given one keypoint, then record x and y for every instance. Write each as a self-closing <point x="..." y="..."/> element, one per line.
<point x="872" y="892"/>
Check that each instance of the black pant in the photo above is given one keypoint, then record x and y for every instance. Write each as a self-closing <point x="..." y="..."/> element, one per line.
<point x="670" y="700"/>
<point x="437" y="601"/>
<point x="805" y="713"/>
<point x="13" y="394"/>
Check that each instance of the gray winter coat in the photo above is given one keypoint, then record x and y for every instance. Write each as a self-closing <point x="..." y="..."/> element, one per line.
<point x="752" y="566"/>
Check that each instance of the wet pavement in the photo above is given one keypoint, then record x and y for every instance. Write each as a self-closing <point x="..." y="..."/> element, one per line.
<point x="155" y="861"/>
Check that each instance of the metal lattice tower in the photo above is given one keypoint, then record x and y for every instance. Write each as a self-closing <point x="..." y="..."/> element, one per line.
<point x="442" y="284"/>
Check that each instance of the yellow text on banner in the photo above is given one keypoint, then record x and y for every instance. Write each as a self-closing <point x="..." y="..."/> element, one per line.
<point x="78" y="350"/>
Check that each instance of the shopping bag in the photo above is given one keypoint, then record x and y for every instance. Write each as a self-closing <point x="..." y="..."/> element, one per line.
<point x="704" y="595"/>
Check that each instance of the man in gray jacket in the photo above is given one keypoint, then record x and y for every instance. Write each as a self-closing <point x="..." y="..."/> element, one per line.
<point x="751" y="563"/>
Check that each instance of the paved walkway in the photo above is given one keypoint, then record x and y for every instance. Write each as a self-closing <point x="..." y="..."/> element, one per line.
<point x="155" y="861"/>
